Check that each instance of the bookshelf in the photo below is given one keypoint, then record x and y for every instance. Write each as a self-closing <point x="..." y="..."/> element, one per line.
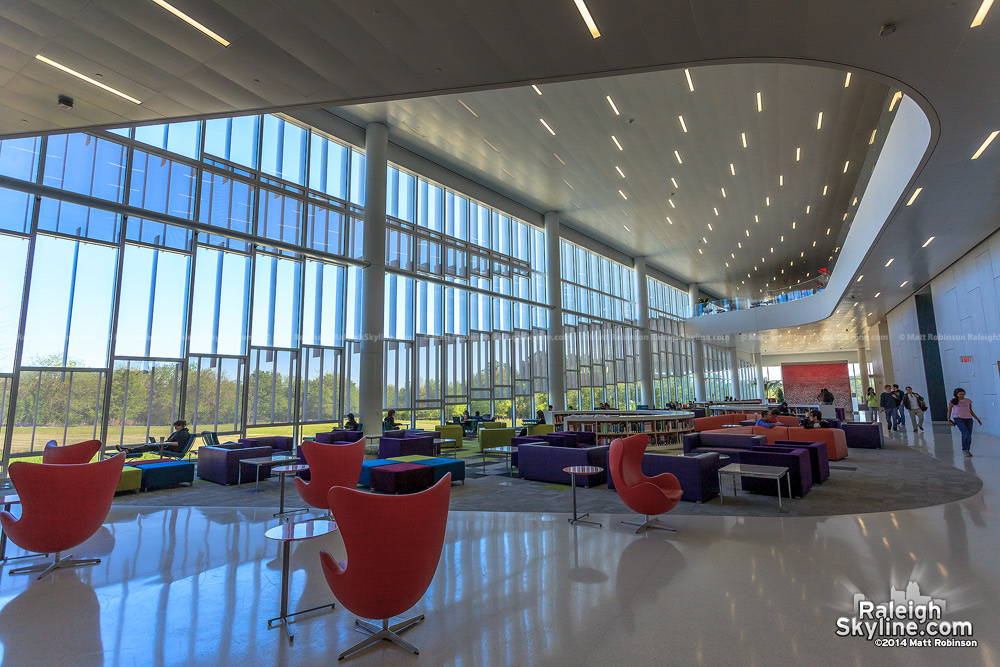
<point x="664" y="427"/>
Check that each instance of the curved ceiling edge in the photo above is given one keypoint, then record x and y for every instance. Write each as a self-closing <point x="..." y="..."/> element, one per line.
<point x="908" y="146"/>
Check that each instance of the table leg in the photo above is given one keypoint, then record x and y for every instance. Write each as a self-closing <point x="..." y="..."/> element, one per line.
<point x="281" y="504"/>
<point x="788" y="477"/>
<point x="721" y="492"/>
<point x="239" y="473"/>
<point x="256" y="480"/>
<point x="572" y="481"/>
<point x="3" y="537"/>
<point x="779" y="492"/>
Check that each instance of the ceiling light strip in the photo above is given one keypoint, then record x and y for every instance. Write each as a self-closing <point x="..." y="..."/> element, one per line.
<point x="613" y="106"/>
<point x="190" y="21"/>
<point x="551" y="131"/>
<point x="687" y="75"/>
<point x="468" y="108"/>
<point x="989" y="140"/>
<point x="981" y="14"/>
<point x="587" y="18"/>
<point x="914" y="197"/>
<point x="86" y="78"/>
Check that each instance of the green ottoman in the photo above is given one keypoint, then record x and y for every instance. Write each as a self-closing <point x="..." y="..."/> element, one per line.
<point x="412" y="458"/>
<point x="131" y="480"/>
<point x="440" y="466"/>
<point x="170" y="473"/>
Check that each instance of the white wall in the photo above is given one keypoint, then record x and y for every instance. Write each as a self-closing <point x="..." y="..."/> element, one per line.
<point x="850" y="357"/>
<point x="904" y="341"/>
<point x="880" y="355"/>
<point x="967" y="310"/>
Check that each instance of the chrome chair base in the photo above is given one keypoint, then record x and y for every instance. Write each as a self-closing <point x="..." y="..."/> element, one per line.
<point x="56" y="564"/>
<point x="386" y="631"/>
<point x="649" y="523"/>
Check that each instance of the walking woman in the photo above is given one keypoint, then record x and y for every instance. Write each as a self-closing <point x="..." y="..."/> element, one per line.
<point x="960" y="414"/>
<point x="871" y="399"/>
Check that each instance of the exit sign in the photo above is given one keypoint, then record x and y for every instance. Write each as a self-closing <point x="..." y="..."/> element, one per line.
<point x="966" y="360"/>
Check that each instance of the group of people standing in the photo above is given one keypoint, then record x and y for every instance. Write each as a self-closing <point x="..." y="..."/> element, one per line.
<point x="895" y="403"/>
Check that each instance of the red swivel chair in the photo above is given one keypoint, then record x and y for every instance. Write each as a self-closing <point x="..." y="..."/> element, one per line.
<point x="645" y="495"/>
<point x="330" y="465"/>
<point x="62" y="506"/>
<point x="81" y="452"/>
<point x="393" y="548"/>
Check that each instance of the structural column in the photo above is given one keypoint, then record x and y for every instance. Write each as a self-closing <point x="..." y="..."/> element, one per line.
<point x="557" y="347"/>
<point x="758" y="362"/>
<point x="373" y="299"/>
<point x="862" y="371"/>
<point x="645" y="347"/>
<point x="734" y="367"/>
<point x="699" y="349"/>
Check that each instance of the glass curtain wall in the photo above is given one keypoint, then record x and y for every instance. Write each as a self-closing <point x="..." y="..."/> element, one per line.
<point x="600" y="329"/>
<point x="718" y="382"/>
<point x="203" y="271"/>
<point x="748" y="380"/>
<point x="465" y="313"/>
<point x="672" y="353"/>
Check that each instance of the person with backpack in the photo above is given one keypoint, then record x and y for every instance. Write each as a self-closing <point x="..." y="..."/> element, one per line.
<point x="915" y="405"/>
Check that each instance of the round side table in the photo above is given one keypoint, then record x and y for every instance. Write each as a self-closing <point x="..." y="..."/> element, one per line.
<point x="282" y="472"/>
<point x="286" y="533"/>
<point x="573" y="471"/>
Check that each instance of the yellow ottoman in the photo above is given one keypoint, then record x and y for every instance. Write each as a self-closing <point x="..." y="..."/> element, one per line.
<point x="131" y="480"/>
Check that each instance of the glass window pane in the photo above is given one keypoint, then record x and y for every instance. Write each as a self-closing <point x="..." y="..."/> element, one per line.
<point x="162" y="185"/>
<point x="326" y="229"/>
<point x="329" y="164"/>
<point x="276" y="302"/>
<point x="17" y="210"/>
<point x="233" y="139"/>
<point x="219" y="303"/>
<point x="14" y="250"/>
<point x="65" y="406"/>
<point x="181" y="138"/>
<point x="153" y="303"/>
<point x="280" y="217"/>
<point x="76" y="220"/>
<point x="283" y="150"/>
<point x="323" y="314"/>
<point x="85" y="164"/>
<point x="226" y="202"/>
<point x="19" y="157"/>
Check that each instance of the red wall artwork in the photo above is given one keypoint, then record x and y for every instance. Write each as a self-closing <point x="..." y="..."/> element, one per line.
<point x="803" y="382"/>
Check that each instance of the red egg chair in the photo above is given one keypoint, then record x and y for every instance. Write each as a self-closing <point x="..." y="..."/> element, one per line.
<point x="81" y="452"/>
<point x="393" y="547"/>
<point x="330" y="465"/>
<point x="645" y="495"/>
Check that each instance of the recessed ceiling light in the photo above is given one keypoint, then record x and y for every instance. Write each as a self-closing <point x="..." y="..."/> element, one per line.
<point x="587" y="18"/>
<point x="86" y="78"/>
<point x="615" y="139"/>
<point x="928" y="242"/>
<point x="772" y="252"/>
<point x="819" y="121"/>
<point x="872" y="139"/>
<point x="683" y="124"/>
<point x="981" y="14"/>
<point x="710" y="226"/>
<point x="855" y="305"/>
<point x="567" y="183"/>
<point x="855" y="202"/>
<point x="732" y="255"/>
<point x="760" y="102"/>
<point x="672" y="204"/>
<point x="704" y="240"/>
<point x="743" y="135"/>
<point x="814" y="244"/>
<point x="626" y="213"/>
<point x="782" y="238"/>
<point x="723" y="192"/>
<point x="891" y="260"/>
<point x="535" y="88"/>
<point x="846" y="165"/>
<point x="468" y="108"/>
<point x="767" y="201"/>
<point x="903" y="284"/>
<point x="491" y="145"/>
<point x="620" y="172"/>
<point x="798" y="154"/>
<point x="574" y="203"/>
<point x="756" y="218"/>
<point x="678" y="156"/>
<point x="669" y="220"/>
<point x="895" y="98"/>
<point x="190" y="21"/>
<point x="674" y="181"/>
<point x="626" y="226"/>
<point x="781" y="180"/>
<point x="560" y="159"/>
<point x="551" y="131"/>
<point x="845" y="216"/>
<point x="914" y="196"/>
<point x="622" y="194"/>
<point x="802" y="254"/>
<point x="989" y="139"/>
<point x="687" y="75"/>
<point x="732" y="168"/>
<point x="716" y="210"/>
<point x="878" y="294"/>
<point x="827" y="231"/>
<point x="739" y="245"/>
<point x="700" y="252"/>
<point x="793" y="224"/>
<point x="847" y="80"/>
<point x="869" y="314"/>
<point x="825" y="189"/>
<point x="748" y="233"/>
<point x="859" y="278"/>
<point x="613" y="107"/>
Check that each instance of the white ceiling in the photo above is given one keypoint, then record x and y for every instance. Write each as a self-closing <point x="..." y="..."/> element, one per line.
<point x="311" y="53"/>
<point x="502" y="143"/>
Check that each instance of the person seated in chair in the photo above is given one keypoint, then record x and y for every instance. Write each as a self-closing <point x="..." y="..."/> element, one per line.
<point x="783" y="409"/>
<point x="815" y="420"/>
<point x="768" y="419"/>
<point x="390" y="423"/>
<point x="539" y="419"/>
<point x="176" y="443"/>
<point x="350" y="424"/>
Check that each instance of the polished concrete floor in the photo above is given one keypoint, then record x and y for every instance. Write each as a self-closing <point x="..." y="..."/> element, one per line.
<point x="195" y="586"/>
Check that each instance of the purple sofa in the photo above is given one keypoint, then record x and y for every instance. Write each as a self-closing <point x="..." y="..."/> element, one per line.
<point x="818" y="456"/>
<point x="389" y="448"/>
<point x="722" y="443"/>
<point x="339" y="436"/>
<point x="545" y="463"/>
<point x="796" y="460"/>
<point x="698" y="474"/>
<point x="221" y="463"/>
<point x="279" y="443"/>
<point x="583" y="438"/>
<point x="864" y="435"/>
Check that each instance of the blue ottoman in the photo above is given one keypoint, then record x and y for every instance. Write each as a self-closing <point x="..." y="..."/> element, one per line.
<point x="161" y="475"/>
<point x="366" y="470"/>
<point x="440" y="466"/>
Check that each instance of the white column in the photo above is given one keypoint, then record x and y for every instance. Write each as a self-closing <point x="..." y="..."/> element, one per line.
<point x="645" y="347"/>
<point x="734" y="367"/>
<point x="760" y="376"/>
<point x="863" y="369"/>
<point x="699" y="350"/>
<point x="557" y="348"/>
<point x="373" y="298"/>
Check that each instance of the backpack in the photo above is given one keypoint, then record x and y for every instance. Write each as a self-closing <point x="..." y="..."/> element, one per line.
<point x="920" y="402"/>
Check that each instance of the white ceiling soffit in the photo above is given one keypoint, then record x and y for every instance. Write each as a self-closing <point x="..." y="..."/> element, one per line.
<point x="708" y="186"/>
<point x="906" y="147"/>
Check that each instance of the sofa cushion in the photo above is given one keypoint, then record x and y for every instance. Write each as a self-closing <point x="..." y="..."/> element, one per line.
<point x="221" y="464"/>
<point x="836" y="441"/>
<point x="545" y="463"/>
<point x="724" y="439"/>
<point x="717" y="421"/>
<point x="421" y="445"/>
<point x="331" y="437"/>
<point x="864" y="435"/>
<point x="818" y="457"/>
